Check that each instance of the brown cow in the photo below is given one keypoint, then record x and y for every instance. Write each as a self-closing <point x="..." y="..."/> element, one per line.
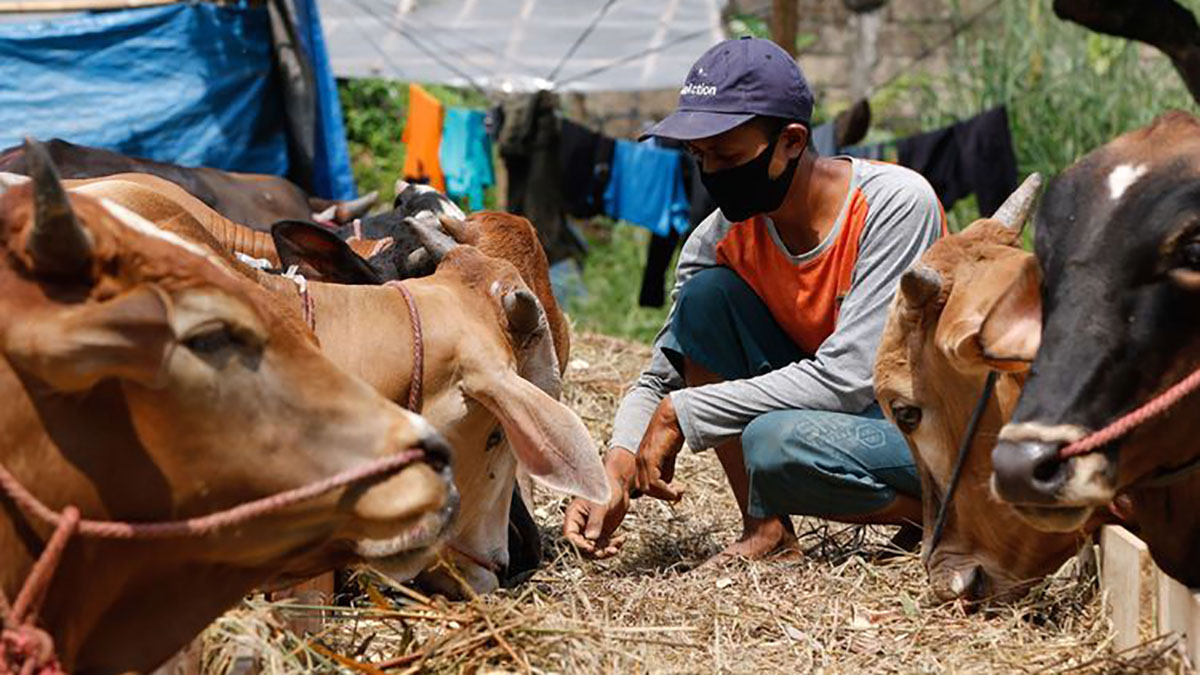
<point x="929" y="374"/>
<point x="256" y="200"/>
<point x="491" y="374"/>
<point x="144" y="381"/>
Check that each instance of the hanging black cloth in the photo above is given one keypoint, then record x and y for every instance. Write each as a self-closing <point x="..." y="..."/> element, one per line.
<point x="529" y="145"/>
<point x="660" y="249"/>
<point x="972" y="156"/>
<point x="577" y="156"/>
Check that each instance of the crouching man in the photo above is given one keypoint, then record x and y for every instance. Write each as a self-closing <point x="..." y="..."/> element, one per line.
<point x="779" y="301"/>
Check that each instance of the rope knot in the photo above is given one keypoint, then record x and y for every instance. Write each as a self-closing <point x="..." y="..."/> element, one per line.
<point x="27" y="650"/>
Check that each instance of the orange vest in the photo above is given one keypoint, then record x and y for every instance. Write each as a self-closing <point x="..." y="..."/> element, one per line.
<point x="804" y="298"/>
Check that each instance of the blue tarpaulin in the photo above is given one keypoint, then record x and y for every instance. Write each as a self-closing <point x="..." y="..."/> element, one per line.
<point x="192" y="84"/>
<point x="331" y="172"/>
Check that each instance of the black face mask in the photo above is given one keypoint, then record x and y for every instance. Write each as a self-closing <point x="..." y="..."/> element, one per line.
<point x="747" y="190"/>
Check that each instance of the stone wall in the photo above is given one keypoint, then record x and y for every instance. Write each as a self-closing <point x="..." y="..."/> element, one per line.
<point x="847" y="55"/>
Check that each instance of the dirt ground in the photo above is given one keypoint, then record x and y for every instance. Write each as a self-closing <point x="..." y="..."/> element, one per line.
<point x="835" y="609"/>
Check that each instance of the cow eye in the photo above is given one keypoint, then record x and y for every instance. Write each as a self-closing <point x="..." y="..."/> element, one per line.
<point x="907" y="417"/>
<point x="1189" y="254"/>
<point x="214" y="338"/>
<point x="1185" y="266"/>
<point x="210" y="340"/>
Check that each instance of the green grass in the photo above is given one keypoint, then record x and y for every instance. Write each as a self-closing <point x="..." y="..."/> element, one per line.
<point x="613" y="275"/>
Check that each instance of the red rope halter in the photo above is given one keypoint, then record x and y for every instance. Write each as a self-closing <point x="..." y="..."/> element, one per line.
<point x="1125" y="424"/>
<point x="415" y="393"/>
<point x="25" y="649"/>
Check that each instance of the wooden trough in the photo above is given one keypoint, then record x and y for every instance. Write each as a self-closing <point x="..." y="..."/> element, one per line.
<point x="1145" y="603"/>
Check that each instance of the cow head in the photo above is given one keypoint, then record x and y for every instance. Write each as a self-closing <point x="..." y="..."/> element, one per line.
<point x="932" y="364"/>
<point x="492" y="380"/>
<point x="1118" y="239"/>
<point x="503" y="413"/>
<point x="404" y="256"/>
<point x="145" y="381"/>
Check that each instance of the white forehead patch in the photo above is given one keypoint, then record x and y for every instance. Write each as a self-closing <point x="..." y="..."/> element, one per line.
<point x="1122" y="177"/>
<point x="139" y="224"/>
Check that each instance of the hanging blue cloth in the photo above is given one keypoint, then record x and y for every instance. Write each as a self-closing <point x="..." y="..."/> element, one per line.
<point x="466" y="155"/>
<point x="332" y="176"/>
<point x="646" y="188"/>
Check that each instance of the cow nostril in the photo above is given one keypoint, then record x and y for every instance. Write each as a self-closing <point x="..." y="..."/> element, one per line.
<point x="437" y="451"/>
<point x="1048" y="470"/>
<point x="1028" y="472"/>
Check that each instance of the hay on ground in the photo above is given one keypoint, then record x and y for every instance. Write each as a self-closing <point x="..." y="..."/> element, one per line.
<point x="834" y="609"/>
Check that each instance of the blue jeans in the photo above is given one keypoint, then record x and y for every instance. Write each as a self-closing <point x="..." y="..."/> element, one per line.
<point x="800" y="462"/>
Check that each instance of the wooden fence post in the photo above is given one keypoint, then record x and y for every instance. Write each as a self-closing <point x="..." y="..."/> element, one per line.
<point x="1122" y="562"/>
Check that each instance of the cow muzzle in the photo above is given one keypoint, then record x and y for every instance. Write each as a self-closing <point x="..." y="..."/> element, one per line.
<point x="1051" y="493"/>
<point x="404" y="516"/>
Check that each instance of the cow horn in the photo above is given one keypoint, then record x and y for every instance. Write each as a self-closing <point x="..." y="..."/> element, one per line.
<point x="523" y="311"/>
<point x="1015" y="210"/>
<point x="356" y="208"/>
<point x="58" y="245"/>
<point x="429" y="231"/>
<point x="920" y="284"/>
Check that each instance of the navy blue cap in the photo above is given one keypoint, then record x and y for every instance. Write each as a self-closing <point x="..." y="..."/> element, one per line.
<point x="732" y="83"/>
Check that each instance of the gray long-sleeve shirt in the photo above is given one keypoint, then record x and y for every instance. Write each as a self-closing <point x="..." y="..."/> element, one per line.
<point x="899" y="216"/>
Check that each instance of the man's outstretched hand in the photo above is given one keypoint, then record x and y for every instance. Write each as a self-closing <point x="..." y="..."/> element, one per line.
<point x="656" y="455"/>
<point x="590" y="526"/>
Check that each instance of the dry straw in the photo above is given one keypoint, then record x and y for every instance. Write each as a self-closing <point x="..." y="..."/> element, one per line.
<point x="835" y="609"/>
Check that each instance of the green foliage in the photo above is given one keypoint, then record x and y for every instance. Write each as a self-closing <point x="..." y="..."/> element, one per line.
<point x="613" y="275"/>
<point x="374" y="111"/>
<point x="1068" y="90"/>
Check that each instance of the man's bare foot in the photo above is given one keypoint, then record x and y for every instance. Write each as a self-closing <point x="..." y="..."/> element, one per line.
<point x="760" y="539"/>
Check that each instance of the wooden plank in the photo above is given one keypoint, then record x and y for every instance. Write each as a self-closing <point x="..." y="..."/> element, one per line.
<point x="1173" y="605"/>
<point x="1193" y="631"/>
<point x="1121" y="577"/>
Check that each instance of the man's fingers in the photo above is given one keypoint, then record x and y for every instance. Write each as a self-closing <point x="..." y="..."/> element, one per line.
<point x="660" y="489"/>
<point x="581" y="543"/>
<point x="595" y="522"/>
<point x="610" y="548"/>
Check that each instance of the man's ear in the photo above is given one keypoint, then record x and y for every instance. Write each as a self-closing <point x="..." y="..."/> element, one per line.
<point x="320" y="254"/>
<point x="1012" y="330"/>
<point x="797" y="136"/>
<point x="73" y="348"/>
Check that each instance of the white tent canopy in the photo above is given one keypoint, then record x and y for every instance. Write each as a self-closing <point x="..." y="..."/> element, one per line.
<point x="522" y="45"/>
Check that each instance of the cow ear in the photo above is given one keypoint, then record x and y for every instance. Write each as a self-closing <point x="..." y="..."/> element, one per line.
<point x="960" y="328"/>
<point x="320" y="254"/>
<point x="547" y="438"/>
<point x="1012" y="330"/>
<point x="72" y="349"/>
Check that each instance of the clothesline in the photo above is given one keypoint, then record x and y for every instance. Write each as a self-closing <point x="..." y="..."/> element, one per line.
<point x="557" y="167"/>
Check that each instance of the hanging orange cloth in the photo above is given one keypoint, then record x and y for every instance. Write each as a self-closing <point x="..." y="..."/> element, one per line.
<point x="423" y="136"/>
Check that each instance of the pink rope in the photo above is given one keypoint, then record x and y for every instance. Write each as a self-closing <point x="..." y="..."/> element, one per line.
<point x="107" y="529"/>
<point x="26" y="649"/>
<point x="415" y="394"/>
<point x="1130" y="421"/>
